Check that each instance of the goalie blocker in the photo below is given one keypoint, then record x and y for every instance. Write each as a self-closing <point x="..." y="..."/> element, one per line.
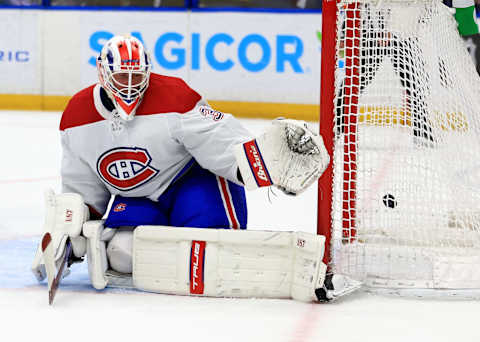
<point x="219" y="263"/>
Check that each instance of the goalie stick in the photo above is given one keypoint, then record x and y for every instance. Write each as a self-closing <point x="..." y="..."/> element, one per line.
<point x="49" y="259"/>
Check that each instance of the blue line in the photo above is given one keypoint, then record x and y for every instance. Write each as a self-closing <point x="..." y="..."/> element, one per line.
<point x="121" y="9"/>
<point x="258" y="10"/>
<point x="46" y="4"/>
<point x="21" y="7"/>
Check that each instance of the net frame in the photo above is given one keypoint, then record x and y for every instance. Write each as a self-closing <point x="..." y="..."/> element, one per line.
<point x="326" y="189"/>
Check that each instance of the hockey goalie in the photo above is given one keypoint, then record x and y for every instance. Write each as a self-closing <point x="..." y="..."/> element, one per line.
<point x="174" y="165"/>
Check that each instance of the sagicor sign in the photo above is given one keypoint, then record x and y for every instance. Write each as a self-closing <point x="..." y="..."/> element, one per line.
<point x="287" y="51"/>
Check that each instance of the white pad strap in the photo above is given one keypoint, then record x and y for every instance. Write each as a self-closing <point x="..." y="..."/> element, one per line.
<point x="228" y="263"/>
<point x="288" y="155"/>
<point x="96" y="253"/>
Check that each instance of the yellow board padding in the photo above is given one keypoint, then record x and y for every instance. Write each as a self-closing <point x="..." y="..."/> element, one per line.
<point x="260" y="110"/>
<point x="268" y="110"/>
<point x="386" y="116"/>
<point x="33" y="102"/>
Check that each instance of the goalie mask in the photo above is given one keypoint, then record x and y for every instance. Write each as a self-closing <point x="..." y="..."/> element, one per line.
<point x="124" y="72"/>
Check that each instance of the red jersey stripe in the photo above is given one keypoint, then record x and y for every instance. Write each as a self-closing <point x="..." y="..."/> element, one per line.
<point x="228" y="203"/>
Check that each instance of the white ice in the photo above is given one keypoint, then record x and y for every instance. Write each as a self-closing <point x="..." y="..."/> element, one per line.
<point x="30" y="163"/>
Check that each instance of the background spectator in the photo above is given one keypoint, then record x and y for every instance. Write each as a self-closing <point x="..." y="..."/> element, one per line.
<point x="262" y="3"/>
<point x="20" y="2"/>
<point x="118" y="3"/>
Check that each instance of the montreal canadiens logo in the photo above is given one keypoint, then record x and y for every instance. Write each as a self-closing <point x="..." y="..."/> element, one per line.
<point x="126" y="168"/>
<point x="120" y="207"/>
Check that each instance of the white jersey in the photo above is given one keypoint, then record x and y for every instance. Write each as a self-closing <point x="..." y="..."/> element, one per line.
<point x="103" y="155"/>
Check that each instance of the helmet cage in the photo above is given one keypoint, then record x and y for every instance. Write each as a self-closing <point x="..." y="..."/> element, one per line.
<point x="124" y="71"/>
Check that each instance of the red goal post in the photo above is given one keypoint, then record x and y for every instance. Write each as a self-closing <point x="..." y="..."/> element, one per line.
<point x="329" y="63"/>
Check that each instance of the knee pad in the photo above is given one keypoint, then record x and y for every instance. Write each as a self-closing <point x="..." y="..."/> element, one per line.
<point x="120" y="249"/>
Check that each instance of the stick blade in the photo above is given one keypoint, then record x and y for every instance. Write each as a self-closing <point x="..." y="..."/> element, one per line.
<point x="51" y="295"/>
<point x="53" y="287"/>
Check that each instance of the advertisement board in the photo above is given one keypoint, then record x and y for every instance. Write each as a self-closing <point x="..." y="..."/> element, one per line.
<point x="265" y="57"/>
<point x="20" y="52"/>
<point x="234" y="57"/>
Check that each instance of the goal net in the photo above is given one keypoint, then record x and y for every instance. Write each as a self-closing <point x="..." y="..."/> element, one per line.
<point x="400" y="114"/>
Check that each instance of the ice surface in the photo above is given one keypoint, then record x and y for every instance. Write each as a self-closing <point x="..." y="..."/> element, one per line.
<point x="30" y="163"/>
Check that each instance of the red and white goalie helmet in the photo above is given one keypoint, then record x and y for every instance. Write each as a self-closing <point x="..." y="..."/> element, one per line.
<point x="124" y="72"/>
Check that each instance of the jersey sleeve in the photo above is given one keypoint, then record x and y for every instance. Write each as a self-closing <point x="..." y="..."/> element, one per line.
<point x="209" y="136"/>
<point x="79" y="178"/>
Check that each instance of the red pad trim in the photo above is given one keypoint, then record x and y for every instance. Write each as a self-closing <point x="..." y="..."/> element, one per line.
<point x="197" y="263"/>
<point x="257" y="165"/>
<point x="47" y="238"/>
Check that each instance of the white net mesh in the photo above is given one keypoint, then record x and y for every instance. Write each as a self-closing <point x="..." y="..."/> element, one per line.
<point x="406" y="203"/>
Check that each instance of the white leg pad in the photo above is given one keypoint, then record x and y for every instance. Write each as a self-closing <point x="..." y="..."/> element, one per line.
<point x="96" y="253"/>
<point x="228" y="263"/>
